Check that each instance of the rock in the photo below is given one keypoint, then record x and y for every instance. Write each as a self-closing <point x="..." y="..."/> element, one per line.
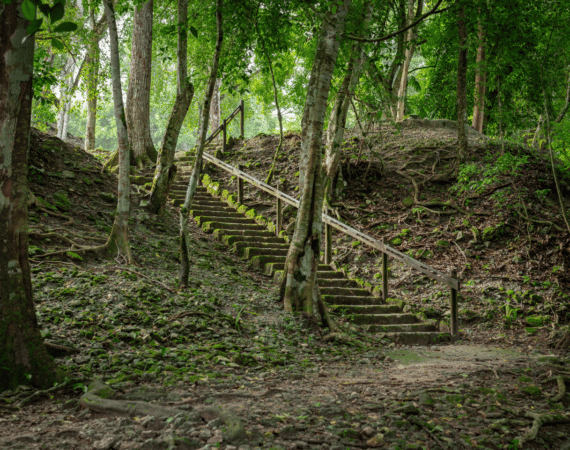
<point x="153" y="423"/>
<point x="106" y="443"/>
<point x="205" y="434"/>
<point x="376" y="441"/>
<point x="459" y="236"/>
<point x="425" y="399"/>
<point x="107" y="197"/>
<point x="407" y="409"/>
<point x="153" y="444"/>
<point x="68" y="174"/>
<point x="216" y="439"/>
<point x="367" y="431"/>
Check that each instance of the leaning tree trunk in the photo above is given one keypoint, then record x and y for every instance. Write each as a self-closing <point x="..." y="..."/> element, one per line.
<point x="91" y="80"/>
<point x="300" y="289"/>
<point x="138" y="94"/>
<point x="337" y="122"/>
<point x="165" y="169"/>
<point x="216" y="107"/>
<point x="480" y="82"/>
<point x="200" y="143"/>
<point x="23" y="357"/>
<point x="279" y="118"/>
<point x="118" y="242"/>
<point x="462" y="88"/>
<point x="64" y="99"/>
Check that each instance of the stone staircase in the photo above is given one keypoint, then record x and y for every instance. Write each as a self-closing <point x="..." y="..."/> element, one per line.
<point x="267" y="252"/>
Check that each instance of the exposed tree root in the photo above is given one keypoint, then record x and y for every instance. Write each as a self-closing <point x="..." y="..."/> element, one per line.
<point x="70" y="220"/>
<point x="58" y="351"/>
<point x="541" y="222"/>
<point x="539" y="420"/>
<point x="47" y="392"/>
<point x="560" y="380"/>
<point x="99" y="249"/>
<point x="53" y="236"/>
<point x="564" y="342"/>
<point x="40" y="234"/>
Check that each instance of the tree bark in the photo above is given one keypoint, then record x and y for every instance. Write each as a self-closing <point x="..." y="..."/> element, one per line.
<point x="165" y="169"/>
<point x="337" y="121"/>
<point x="200" y="143"/>
<point x="118" y="242"/>
<point x="480" y="81"/>
<point x="300" y="288"/>
<point x="23" y="357"/>
<point x="462" y="142"/>
<point x="215" y="108"/>
<point x="91" y="81"/>
<point x="138" y="94"/>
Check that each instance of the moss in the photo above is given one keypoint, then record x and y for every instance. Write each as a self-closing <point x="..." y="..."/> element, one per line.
<point x="408" y="201"/>
<point x="355" y="244"/>
<point x="533" y="391"/>
<point x="443" y="244"/>
<point x="405" y="232"/>
<point x="525" y="379"/>
<point x="75" y="256"/>
<point x="395" y="241"/>
<point x="536" y="321"/>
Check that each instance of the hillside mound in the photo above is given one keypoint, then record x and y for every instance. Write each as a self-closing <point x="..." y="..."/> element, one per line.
<point x="498" y="221"/>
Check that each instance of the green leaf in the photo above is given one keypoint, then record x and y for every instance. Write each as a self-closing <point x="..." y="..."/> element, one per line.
<point x="194" y="31"/>
<point x="65" y="27"/>
<point x="29" y="10"/>
<point x="34" y="26"/>
<point x="56" y="12"/>
<point x="56" y="43"/>
<point x="44" y="9"/>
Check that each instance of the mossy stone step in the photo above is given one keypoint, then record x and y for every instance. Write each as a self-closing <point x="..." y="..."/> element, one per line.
<point x="275" y="270"/>
<point x="228" y="237"/>
<point x="366" y="309"/>
<point x="337" y="283"/>
<point x="209" y="227"/>
<point x="250" y="252"/>
<point x="387" y="319"/>
<point x="329" y="275"/>
<point x="201" y="220"/>
<point x="260" y="261"/>
<point x="185" y="159"/>
<point x="241" y="247"/>
<point x="140" y="180"/>
<point x="401" y="328"/>
<point x="418" y="337"/>
<point x="215" y="213"/>
<point x="349" y="300"/>
<point x="246" y="241"/>
<point x="349" y="291"/>
<point x="207" y="201"/>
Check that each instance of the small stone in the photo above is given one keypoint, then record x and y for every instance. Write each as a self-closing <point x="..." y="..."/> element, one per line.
<point x="367" y="431"/>
<point x="205" y="434"/>
<point x="388" y="359"/>
<point x="68" y="174"/>
<point x="460" y="236"/>
<point x="425" y="399"/>
<point x="376" y="441"/>
<point x="301" y="444"/>
<point x="323" y="374"/>
<point x="216" y="439"/>
<point x="153" y="423"/>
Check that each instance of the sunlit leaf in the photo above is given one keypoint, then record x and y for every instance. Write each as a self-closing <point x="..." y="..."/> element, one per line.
<point x="29" y="10"/>
<point x="34" y="26"/>
<point x="56" y="43"/>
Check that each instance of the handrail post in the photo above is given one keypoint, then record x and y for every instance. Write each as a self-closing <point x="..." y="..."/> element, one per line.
<point x="224" y="130"/>
<point x="279" y="215"/>
<point x="384" y="273"/>
<point x="328" y="244"/>
<point x="454" y="324"/>
<point x="242" y="119"/>
<point x="240" y="186"/>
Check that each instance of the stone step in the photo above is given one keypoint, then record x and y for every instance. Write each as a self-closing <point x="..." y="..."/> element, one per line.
<point x="214" y="208"/>
<point x="418" y="337"/>
<point x="358" y="292"/>
<point x="260" y="261"/>
<point x="330" y="275"/>
<point x="384" y="319"/>
<point x="140" y="180"/>
<point x="201" y="220"/>
<point x="246" y="241"/>
<point x="214" y="213"/>
<point x="209" y="227"/>
<point x="366" y="309"/>
<point x="185" y="159"/>
<point x="401" y="328"/>
<point x="241" y="247"/>
<point x="250" y="252"/>
<point x="228" y="237"/>
<point x="212" y="202"/>
<point x="338" y="282"/>
<point x="349" y="300"/>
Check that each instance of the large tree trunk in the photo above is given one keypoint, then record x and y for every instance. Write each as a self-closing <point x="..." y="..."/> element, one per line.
<point x="118" y="242"/>
<point x="462" y="87"/>
<point x="138" y="95"/>
<point x="480" y="82"/>
<point x="409" y="53"/>
<point x="165" y="169"/>
<point x="67" y="75"/>
<point x="300" y="289"/>
<point x="23" y="357"/>
<point x="337" y="121"/>
<point x="91" y="81"/>
<point x="200" y="143"/>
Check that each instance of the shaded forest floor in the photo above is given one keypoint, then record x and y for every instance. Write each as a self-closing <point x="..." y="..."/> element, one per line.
<point x="226" y="341"/>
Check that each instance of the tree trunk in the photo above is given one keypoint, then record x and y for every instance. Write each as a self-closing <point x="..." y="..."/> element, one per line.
<point x="337" y="121"/>
<point x="138" y="94"/>
<point x="64" y="98"/>
<point x="23" y="357"/>
<point x="300" y="288"/>
<point x="165" y="169"/>
<point x="462" y="142"/>
<point x="566" y="105"/>
<point x="91" y="81"/>
<point x="200" y="143"/>
<point x="215" y="108"/>
<point x="409" y="53"/>
<point x="118" y="242"/>
<point x="480" y="82"/>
